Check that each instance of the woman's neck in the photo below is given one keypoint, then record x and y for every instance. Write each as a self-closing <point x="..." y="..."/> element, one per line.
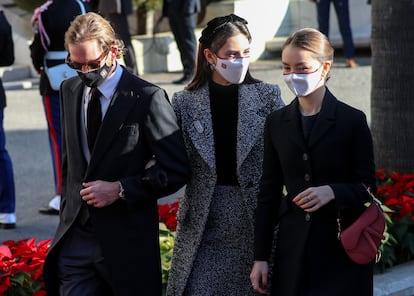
<point x="312" y="103"/>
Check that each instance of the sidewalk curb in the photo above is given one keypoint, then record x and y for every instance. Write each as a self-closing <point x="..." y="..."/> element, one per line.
<point x="396" y="281"/>
<point x="29" y="83"/>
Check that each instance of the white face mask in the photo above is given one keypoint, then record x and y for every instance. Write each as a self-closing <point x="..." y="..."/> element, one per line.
<point x="302" y="84"/>
<point x="233" y="70"/>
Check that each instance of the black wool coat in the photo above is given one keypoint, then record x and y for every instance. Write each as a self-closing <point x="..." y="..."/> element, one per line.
<point x="309" y="259"/>
<point x="139" y="123"/>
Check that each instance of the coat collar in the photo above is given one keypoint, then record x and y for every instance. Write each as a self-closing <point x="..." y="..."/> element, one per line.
<point x="325" y="121"/>
<point x="252" y="113"/>
<point x="326" y="118"/>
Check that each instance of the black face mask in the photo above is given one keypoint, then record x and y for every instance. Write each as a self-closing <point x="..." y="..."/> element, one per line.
<point x="96" y="77"/>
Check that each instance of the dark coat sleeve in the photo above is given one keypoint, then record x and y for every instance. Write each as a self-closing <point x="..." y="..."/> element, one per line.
<point x="164" y="143"/>
<point x="269" y="198"/>
<point x="6" y="42"/>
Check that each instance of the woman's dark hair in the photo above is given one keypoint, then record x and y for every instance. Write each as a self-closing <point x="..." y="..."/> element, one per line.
<point x="213" y="37"/>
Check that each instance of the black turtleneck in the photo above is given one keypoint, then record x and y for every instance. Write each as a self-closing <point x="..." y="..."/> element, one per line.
<point x="224" y="111"/>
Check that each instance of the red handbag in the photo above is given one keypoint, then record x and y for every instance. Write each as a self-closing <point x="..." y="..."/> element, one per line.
<point x="361" y="240"/>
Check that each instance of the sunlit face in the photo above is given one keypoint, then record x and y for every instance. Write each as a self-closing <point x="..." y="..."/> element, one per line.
<point x="300" y="61"/>
<point x="88" y="56"/>
<point x="237" y="46"/>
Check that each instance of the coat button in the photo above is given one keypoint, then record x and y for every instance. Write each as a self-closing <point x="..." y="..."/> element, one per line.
<point x="305" y="156"/>
<point x="307" y="177"/>
<point x="307" y="217"/>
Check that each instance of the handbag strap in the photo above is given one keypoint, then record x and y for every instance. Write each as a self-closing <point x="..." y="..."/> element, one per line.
<point x="82" y="6"/>
<point x="373" y="199"/>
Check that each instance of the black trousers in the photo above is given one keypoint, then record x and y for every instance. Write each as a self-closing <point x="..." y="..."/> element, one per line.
<point x="182" y="26"/>
<point x="81" y="266"/>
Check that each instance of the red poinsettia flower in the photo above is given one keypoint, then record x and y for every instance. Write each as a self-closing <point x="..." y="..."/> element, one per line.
<point x="397" y="191"/>
<point x="168" y="214"/>
<point x="21" y="264"/>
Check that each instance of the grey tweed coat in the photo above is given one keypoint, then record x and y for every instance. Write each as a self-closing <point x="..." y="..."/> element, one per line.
<point x="193" y="112"/>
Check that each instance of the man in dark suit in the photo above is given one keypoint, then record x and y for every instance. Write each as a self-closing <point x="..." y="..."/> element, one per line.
<point x="107" y="241"/>
<point x="182" y="16"/>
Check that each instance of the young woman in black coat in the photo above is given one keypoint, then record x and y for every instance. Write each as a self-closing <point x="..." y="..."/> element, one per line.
<point x="318" y="156"/>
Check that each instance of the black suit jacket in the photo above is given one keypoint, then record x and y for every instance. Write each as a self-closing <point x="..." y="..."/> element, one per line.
<point x="339" y="153"/>
<point x="140" y="123"/>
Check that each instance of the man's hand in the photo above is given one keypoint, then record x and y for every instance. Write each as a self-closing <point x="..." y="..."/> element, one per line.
<point x="100" y="193"/>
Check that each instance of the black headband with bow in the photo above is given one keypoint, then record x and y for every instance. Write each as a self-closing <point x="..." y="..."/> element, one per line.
<point x="215" y="25"/>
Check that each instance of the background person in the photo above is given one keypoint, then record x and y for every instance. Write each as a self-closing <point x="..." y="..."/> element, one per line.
<point x="107" y="240"/>
<point x="344" y="23"/>
<point x="182" y="17"/>
<point x="50" y="22"/>
<point x="7" y="190"/>
<point x="221" y="114"/>
<point x="117" y="11"/>
<point x="320" y="150"/>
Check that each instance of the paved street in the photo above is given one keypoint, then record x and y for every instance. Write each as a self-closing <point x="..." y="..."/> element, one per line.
<point x="27" y="140"/>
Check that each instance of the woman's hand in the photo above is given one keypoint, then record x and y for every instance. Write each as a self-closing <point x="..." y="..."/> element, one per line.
<point x="313" y="198"/>
<point x="258" y="276"/>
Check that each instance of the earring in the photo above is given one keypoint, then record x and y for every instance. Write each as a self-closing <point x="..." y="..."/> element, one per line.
<point x="211" y="67"/>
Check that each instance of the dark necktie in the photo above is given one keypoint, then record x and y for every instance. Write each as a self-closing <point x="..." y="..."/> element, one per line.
<point x="94" y="117"/>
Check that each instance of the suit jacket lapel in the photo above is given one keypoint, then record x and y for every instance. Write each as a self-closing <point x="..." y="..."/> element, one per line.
<point x="122" y="101"/>
<point x="74" y="129"/>
<point x="292" y="122"/>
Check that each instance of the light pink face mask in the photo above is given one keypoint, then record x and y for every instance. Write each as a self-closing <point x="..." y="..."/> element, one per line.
<point x="303" y="84"/>
<point x="233" y="70"/>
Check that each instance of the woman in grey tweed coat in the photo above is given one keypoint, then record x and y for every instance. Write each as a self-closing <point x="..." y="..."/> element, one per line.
<point x="222" y="114"/>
